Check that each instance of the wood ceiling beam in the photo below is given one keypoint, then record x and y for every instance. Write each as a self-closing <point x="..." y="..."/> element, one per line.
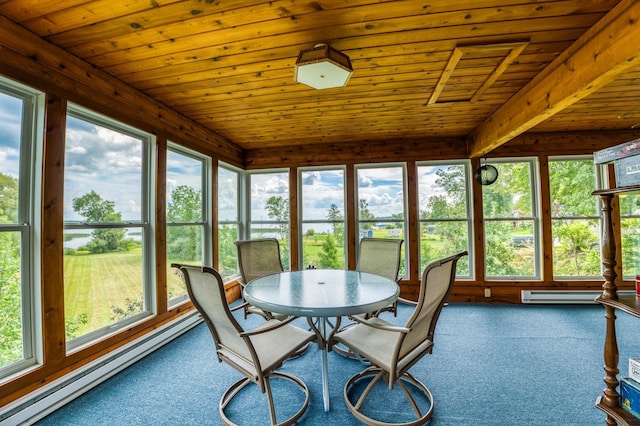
<point x="608" y="49"/>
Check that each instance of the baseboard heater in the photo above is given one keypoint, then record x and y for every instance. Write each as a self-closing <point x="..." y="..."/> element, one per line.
<point x="45" y="400"/>
<point x="562" y="296"/>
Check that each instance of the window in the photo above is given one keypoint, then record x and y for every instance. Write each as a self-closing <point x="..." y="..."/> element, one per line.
<point x="575" y="218"/>
<point x="511" y="222"/>
<point x="630" y="235"/>
<point x="269" y="209"/>
<point x="108" y="257"/>
<point x="20" y="164"/>
<point x="188" y="221"/>
<point x="229" y="224"/>
<point x="323" y="222"/>
<point x="444" y="211"/>
<point x="381" y="203"/>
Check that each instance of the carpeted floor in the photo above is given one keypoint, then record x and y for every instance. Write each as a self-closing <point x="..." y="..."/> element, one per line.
<point x="492" y="365"/>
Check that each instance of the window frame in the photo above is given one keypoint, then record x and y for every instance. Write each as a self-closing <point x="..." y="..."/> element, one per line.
<point x="146" y="225"/>
<point x="28" y="222"/>
<point x="206" y="222"/>
<point x="468" y="176"/>
<point x="246" y="232"/>
<point x="597" y="178"/>
<point x="302" y="221"/>
<point x="404" y="266"/>
<point x="536" y="219"/>
<point x="242" y="218"/>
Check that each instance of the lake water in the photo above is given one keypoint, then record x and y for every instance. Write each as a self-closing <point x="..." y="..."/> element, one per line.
<point x="78" y="240"/>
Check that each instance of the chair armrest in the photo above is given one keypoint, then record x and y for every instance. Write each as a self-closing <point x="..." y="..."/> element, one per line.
<point x="407" y="301"/>
<point x="386" y="326"/>
<point x="240" y="306"/>
<point x="268" y="326"/>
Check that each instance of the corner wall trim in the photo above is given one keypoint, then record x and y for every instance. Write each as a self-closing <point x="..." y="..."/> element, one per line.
<point x="45" y="400"/>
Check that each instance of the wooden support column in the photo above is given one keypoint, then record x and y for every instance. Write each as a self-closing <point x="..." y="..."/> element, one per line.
<point x="478" y="226"/>
<point x="352" y="212"/>
<point x="213" y="208"/>
<point x="546" y="223"/>
<point x="161" y="226"/>
<point x="411" y="239"/>
<point x="294" y="247"/>
<point x="52" y="286"/>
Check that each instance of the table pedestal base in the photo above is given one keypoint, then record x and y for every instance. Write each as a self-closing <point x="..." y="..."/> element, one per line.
<point x="324" y="330"/>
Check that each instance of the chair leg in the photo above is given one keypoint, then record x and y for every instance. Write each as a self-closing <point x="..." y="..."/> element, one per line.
<point x="378" y="374"/>
<point x="234" y="389"/>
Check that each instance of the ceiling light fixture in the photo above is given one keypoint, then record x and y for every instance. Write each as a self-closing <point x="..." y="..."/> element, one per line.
<point x="323" y="67"/>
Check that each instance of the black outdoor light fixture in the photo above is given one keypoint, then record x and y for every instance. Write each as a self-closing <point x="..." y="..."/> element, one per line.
<point x="486" y="174"/>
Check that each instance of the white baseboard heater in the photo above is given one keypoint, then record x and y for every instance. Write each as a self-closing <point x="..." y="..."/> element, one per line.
<point x="562" y="296"/>
<point x="36" y="405"/>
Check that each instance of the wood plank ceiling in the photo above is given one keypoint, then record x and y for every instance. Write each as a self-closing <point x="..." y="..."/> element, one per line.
<point x="481" y="71"/>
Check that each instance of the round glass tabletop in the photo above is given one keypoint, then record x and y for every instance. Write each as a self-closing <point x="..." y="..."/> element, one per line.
<point x="321" y="292"/>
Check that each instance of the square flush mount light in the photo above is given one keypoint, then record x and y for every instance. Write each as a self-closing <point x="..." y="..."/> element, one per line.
<point x="323" y="67"/>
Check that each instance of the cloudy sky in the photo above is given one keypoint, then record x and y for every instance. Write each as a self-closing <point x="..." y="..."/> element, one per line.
<point x="10" y="117"/>
<point x="321" y="189"/>
<point x="263" y="187"/>
<point x="107" y="162"/>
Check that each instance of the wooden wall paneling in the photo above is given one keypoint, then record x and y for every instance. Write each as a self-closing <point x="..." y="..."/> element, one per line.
<point x="45" y="66"/>
<point x="294" y="220"/>
<point x="53" y="319"/>
<point x="362" y="152"/>
<point x="161" y="226"/>
<point x="545" y="219"/>
<point x="569" y="143"/>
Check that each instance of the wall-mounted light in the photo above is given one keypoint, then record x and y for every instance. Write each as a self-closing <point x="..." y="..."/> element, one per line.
<point x="323" y="67"/>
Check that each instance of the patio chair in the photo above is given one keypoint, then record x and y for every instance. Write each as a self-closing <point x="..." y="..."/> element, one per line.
<point x="393" y="350"/>
<point x="257" y="258"/>
<point x="381" y="256"/>
<point x="255" y="354"/>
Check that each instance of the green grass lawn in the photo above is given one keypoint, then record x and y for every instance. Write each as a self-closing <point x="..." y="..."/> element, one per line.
<point x="98" y="286"/>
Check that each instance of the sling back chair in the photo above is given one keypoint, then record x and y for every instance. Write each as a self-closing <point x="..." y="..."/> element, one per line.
<point x="380" y="256"/>
<point x="256" y="354"/>
<point x="257" y="258"/>
<point x="393" y="350"/>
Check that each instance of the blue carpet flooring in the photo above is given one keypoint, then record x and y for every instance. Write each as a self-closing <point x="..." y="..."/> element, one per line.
<point x="491" y="365"/>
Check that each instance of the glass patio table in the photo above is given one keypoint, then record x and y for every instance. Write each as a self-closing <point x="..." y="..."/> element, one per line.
<point x="320" y="294"/>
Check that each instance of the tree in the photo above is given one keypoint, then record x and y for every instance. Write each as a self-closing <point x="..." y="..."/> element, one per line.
<point x="577" y="238"/>
<point x="365" y="214"/>
<point x="10" y="294"/>
<point x="328" y="257"/>
<point x="185" y="206"/>
<point x="449" y="238"/>
<point x="227" y="253"/>
<point x="337" y="222"/>
<point x="8" y="199"/>
<point x="96" y="210"/>
<point x="571" y="184"/>
<point x="278" y="209"/>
